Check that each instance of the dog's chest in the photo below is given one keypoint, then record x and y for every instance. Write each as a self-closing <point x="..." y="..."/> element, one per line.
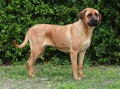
<point x="85" y="44"/>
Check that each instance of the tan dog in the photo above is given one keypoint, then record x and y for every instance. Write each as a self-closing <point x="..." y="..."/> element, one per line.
<point x="73" y="38"/>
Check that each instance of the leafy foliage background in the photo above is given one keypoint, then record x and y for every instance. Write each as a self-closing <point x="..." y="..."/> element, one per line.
<point x="17" y="16"/>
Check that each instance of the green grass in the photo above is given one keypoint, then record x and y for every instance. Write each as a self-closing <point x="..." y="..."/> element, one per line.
<point x="49" y="76"/>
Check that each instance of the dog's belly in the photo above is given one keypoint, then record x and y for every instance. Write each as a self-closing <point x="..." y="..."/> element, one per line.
<point x="63" y="47"/>
<point x="60" y="42"/>
<point x="60" y="45"/>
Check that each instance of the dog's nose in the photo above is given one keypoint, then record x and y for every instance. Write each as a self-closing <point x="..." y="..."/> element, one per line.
<point x="93" y="21"/>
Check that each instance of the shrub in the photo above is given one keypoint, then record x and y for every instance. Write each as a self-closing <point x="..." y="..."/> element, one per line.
<point x="105" y="47"/>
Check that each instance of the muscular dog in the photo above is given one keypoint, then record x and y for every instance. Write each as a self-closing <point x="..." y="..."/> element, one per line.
<point x="74" y="38"/>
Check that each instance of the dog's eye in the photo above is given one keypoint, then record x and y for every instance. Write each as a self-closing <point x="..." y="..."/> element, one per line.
<point x="96" y="14"/>
<point x="89" y="15"/>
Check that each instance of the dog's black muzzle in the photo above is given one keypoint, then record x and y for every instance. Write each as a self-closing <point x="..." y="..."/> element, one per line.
<point x="93" y="21"/>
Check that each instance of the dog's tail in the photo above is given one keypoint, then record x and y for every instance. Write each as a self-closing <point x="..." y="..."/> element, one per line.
<point x="22" y="44"/>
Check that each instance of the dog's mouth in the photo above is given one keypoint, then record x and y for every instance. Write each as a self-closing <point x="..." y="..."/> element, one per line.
<point x="93" y="22"/>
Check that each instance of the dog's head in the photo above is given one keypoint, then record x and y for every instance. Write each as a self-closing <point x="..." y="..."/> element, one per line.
<point x="90" y="16"/>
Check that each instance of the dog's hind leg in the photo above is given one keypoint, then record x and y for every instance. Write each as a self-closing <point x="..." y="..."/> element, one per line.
<point x="35" y="52"/>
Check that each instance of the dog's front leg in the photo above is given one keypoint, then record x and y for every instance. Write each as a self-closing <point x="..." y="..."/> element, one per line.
<point x="73" y="56"/>
<point x="80" y="63"/>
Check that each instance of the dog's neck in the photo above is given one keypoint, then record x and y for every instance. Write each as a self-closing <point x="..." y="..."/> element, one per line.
<point x="80" y="25"/>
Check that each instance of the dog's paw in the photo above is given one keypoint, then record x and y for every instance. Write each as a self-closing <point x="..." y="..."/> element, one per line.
<point x="82" y="75"/>
<point x="77" y="78"/>
<point x="31" y="75"/>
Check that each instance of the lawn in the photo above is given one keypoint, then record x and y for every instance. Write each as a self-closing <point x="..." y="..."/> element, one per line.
<point x="51" y="76"/>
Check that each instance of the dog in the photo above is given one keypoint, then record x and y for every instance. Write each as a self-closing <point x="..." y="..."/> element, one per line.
<point x="74" y="38"/>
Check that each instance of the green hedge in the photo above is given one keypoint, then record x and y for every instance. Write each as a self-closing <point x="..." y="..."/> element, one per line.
<point x="17" y="16"/>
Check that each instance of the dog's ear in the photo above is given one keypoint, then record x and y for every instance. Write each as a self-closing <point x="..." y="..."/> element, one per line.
<point x="100" y="17"/>
<point x="81" y="15"/>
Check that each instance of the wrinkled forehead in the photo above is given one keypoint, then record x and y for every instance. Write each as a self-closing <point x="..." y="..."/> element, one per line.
<point x="92" y="11"/>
